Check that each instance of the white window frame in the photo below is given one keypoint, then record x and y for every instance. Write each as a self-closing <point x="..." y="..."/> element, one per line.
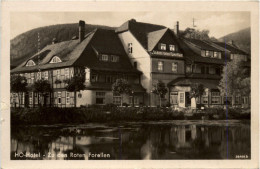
<point x="95" y="79"/>
<point x="162" y="46"/>
<point x="55" y="59"/>
<point x="101" y="95"/>
<point x="160" y="65"/>
<point x="117" y="98"/>
<point x="67" y="73"/>
<point x="172" y="48"/>
<point x="30" y="63"/>
<point x="215" y="54"/>
<point x="207" y="53"/>
<point x="58" y="74"/>
<point x="104" y="58"/>
<point x="46" y="75"/>
<point x="175" y="67"/>
<point x="67" y="97"/>
<point x="114" y="58"/>
<point x="39" y="75"/>
<point x="32" y="77"/>
<point x="215" y="95"/>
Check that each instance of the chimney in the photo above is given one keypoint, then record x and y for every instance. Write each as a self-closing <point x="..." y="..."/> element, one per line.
<point x="54" y="40"/>
<point x="81" y="30"/>
<point x="176" y="29"/>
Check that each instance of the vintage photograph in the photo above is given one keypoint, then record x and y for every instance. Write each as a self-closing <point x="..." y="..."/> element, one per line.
<point x="129" y="85"/>
<point x="140" y="85"/>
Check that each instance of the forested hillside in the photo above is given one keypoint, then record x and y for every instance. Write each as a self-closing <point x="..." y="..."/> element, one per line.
<point x="25" y="45"/>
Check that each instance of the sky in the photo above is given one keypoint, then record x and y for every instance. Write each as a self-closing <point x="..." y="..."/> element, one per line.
<point x="218" y="23"/>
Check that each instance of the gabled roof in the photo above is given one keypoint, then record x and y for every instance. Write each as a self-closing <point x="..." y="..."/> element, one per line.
<point x="154" y="37"/>
<point x="232" y="49"/>
<point x="201" y="44"/>
<point x="75" y="53"/>
<point x="191" y="56"/>
<point x="140" y="30"/>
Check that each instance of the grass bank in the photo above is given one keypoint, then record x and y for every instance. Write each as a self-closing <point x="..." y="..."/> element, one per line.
<point x="110" y="113"/>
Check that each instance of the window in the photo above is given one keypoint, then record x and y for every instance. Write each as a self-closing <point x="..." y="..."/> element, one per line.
<point x="172" y="48"/>
<point x="30" y="63"/>
<point x="218" y="71"/>
<point x="174" y="97"/>
<point x="135" y="64"/>
<point x="227" y="100"/>
<point x="207" y="53"/>
<point x="205" y="99"/>
<point x="100" y="97"/>
<point x="59" y="97"/>
<point x="67" y="73"/>
<point x="117" y="99"/>
<point x="237" y="100"/>
<point x="104" y="58"/>
<point x="245" y="100"/>
<point x="58" y="74"/>
<point x="94" y="78"/>
<point x="174" y="67"/>
<point x="14" y="97"/>
<point x="162" y="46"/>
<point x="215" y="55"/>
<point x="181" y="97"/>
<point x="160" y="66"/>
<point x="215" y="98"/>
<point x="130" y="48"/>
<point x="67" y="97"/>
<point x="114" y="58"/>
<point x="108" y="79"/>
<point x="232" y="56"/>
<point x="46" y="75"/>
<point x="32" y="77"/>
<point x="39" y="75"/>
<point x="30" y="98"/>
<point x="55" y="59"/>
<point x="188" y="68"/>
<point x="135" y="100"/>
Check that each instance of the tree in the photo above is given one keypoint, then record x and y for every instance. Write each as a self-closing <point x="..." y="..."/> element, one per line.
<point x="18" y="85"/>
<point x="75" y="84"/>
<point x="234" y="80"/>
<point x="42" y="87"/>
<point x="121" y="86"/>
<point x="197" y="34"/>
<point x="160" y="90"/>
<point x="195" y="92"/>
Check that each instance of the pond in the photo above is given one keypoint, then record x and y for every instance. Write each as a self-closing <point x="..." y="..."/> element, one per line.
<point x="179" y="139"/>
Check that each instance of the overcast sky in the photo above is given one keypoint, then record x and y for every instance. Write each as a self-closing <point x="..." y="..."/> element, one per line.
<point x="218" y="23"/>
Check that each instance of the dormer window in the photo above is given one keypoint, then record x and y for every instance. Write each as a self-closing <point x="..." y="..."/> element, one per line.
<point x="162" y="46"/>
<point x="30" y="63"/>
<point x="207" y="53"/>
<point x="104" y="58"/>
<point x="215" y="55"/>
<point x="172" y="48"/>
<point x="55" y="59"/>
<point x="114" y="58"/>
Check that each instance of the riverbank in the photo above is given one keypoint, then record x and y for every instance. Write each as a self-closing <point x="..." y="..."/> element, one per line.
<point x="109" y="113"/>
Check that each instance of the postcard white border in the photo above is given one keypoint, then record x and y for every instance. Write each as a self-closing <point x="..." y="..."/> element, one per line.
<point x="158" y="6"/>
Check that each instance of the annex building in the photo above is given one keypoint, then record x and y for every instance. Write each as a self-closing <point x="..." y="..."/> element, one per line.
<point x="141" y="53"/>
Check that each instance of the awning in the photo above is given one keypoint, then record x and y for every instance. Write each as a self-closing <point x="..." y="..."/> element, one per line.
<point x="108" y="86"/>
<point x="208" y="83"/>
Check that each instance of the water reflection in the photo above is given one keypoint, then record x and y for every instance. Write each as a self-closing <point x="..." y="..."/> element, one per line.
<point x="132" y="141"/>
